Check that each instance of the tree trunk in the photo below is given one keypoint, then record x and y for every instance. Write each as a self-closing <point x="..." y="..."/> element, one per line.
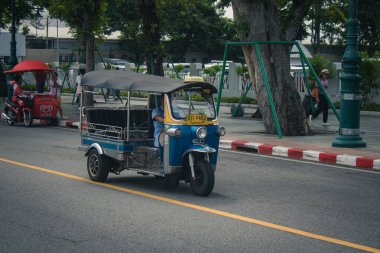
<point x="317" y="26"/>
<point x="262" y="22"/>
<point x="151" y="28"/>
<point x="89" y="39"/>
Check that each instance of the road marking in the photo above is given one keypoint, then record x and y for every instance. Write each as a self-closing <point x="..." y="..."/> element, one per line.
<point x="200" y="208"/>
<point x="302" y="161"/>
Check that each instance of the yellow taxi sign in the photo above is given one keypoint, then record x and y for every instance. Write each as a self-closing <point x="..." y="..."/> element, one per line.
<point x="194" y="79"/>
<point x="196" y="119"/>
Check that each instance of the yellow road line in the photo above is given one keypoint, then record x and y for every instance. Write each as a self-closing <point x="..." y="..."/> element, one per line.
<point x="202" y="208"/>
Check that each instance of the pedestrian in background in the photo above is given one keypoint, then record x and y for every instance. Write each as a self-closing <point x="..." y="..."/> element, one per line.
<point x="320" y="99"/>
<point x="40" y="80"/>
<point x="78" y="84"/>
<point x="55" y="90"/>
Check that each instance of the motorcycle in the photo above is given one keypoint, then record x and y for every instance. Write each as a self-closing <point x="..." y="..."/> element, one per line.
<point x="20" y="111"/>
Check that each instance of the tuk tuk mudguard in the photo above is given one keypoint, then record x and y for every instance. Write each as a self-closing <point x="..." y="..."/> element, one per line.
<point x="96" y="146"/>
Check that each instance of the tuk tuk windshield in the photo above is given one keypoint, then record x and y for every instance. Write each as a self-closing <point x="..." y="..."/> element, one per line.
<point x="192" y="102"/>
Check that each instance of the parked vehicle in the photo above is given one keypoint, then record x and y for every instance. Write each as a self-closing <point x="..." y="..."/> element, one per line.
<point x="118" y="64"/>
<point x="31" y="106"/>
<point x="118" y="139"/>
<point x="20" y="111"/>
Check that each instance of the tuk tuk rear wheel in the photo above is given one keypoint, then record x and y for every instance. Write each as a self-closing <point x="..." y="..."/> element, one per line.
<point x="97" y="166"/>
<point x="28" y="121"/>
<point x="203" y="184"/>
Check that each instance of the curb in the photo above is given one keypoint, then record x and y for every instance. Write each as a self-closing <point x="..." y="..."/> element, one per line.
<point x="267" y="149"/>
<point x="331" y="158"/>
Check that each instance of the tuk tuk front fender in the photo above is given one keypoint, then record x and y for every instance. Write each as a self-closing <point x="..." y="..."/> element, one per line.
<point x="198" y="149"/>
<point x="97" y="147"/>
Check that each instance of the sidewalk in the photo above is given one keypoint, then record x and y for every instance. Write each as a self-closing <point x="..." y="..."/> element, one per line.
<point x="248" y="134"/>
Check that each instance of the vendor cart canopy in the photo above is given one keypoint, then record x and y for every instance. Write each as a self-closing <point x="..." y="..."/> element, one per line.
<point x="29" y="66"/>
<point x="132" y="81"/>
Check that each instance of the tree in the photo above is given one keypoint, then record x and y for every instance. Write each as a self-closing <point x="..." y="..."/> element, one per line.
<point x="369" y="26"/>
<point x="195" y="25"/>
<point x="319" y="62"/>
<point x="327" y="20"/>
<point x="124" y="16"/>
<point x="260" y="21"/>
<point x="87" y="21"/>
<point x="23" y="10"/>
<point x="182" y="25"/>
<point x="370" y="73"/>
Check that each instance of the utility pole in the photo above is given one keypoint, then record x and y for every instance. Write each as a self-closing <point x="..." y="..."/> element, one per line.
<point x="349" y="128"/>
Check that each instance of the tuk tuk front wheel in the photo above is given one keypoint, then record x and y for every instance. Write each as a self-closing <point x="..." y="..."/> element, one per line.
<point x="28" y="118"/>
<point x="97" y="166"/>
<point x="203" y="184"/>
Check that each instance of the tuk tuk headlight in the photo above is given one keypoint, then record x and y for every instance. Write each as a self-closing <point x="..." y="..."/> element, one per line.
<point x="175" y="132"/>
<point x="201" y="132"/>
<point x="221" y="131"/>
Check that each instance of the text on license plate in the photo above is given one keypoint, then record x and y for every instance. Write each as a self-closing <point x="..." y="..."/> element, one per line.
<point x="194" y="119"/>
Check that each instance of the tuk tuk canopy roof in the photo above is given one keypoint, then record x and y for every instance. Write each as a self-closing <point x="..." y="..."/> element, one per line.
<point x="132" y="81"/>
<point x="29" y="66"/>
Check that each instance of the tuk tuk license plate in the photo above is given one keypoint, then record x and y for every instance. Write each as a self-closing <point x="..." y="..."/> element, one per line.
<point x="195" y="119"/>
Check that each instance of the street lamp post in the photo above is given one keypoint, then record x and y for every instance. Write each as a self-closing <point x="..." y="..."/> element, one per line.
<point x="12" y="59"/>
<point x="349" y="128"/>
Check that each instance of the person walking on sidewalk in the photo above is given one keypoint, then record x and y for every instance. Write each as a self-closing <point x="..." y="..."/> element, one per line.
<point x="320" y="99"/>
<point x="78" y="85"/>
<point x="55" y="90"/>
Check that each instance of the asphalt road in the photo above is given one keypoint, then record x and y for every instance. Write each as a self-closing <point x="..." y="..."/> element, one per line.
<point x="259" y="204"/>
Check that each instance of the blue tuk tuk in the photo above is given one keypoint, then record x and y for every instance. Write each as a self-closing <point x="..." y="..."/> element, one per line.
<point x="122" y="138"/>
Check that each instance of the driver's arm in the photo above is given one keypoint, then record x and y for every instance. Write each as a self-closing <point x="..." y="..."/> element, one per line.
<point x="158" y="118"/>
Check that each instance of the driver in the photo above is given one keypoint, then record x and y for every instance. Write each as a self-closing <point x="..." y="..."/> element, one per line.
<point x="16" y="86"/>
<point x="158" y="120"/>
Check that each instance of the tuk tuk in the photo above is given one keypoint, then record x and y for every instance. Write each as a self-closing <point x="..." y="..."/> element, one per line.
<point x="31" y="105"/>
<point x="122" y="138"/>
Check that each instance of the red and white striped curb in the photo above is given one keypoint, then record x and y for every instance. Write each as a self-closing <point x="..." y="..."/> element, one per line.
<point x="349" y="160"/>
<point x="68" y="123"/>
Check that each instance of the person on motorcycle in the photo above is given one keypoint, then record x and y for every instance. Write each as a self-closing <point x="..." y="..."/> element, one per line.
<point x="16" y="86"/>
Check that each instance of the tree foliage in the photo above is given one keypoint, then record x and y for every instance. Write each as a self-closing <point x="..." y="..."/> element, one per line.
<point x="319" y="62"/>
<point x="369" y="27"/>
<point x="370" y="72"/>
<point x="183" y="26"/>
<point x="87" y="21"/>
<point x="24" y="10"/>
<point x="327" y="22"/>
